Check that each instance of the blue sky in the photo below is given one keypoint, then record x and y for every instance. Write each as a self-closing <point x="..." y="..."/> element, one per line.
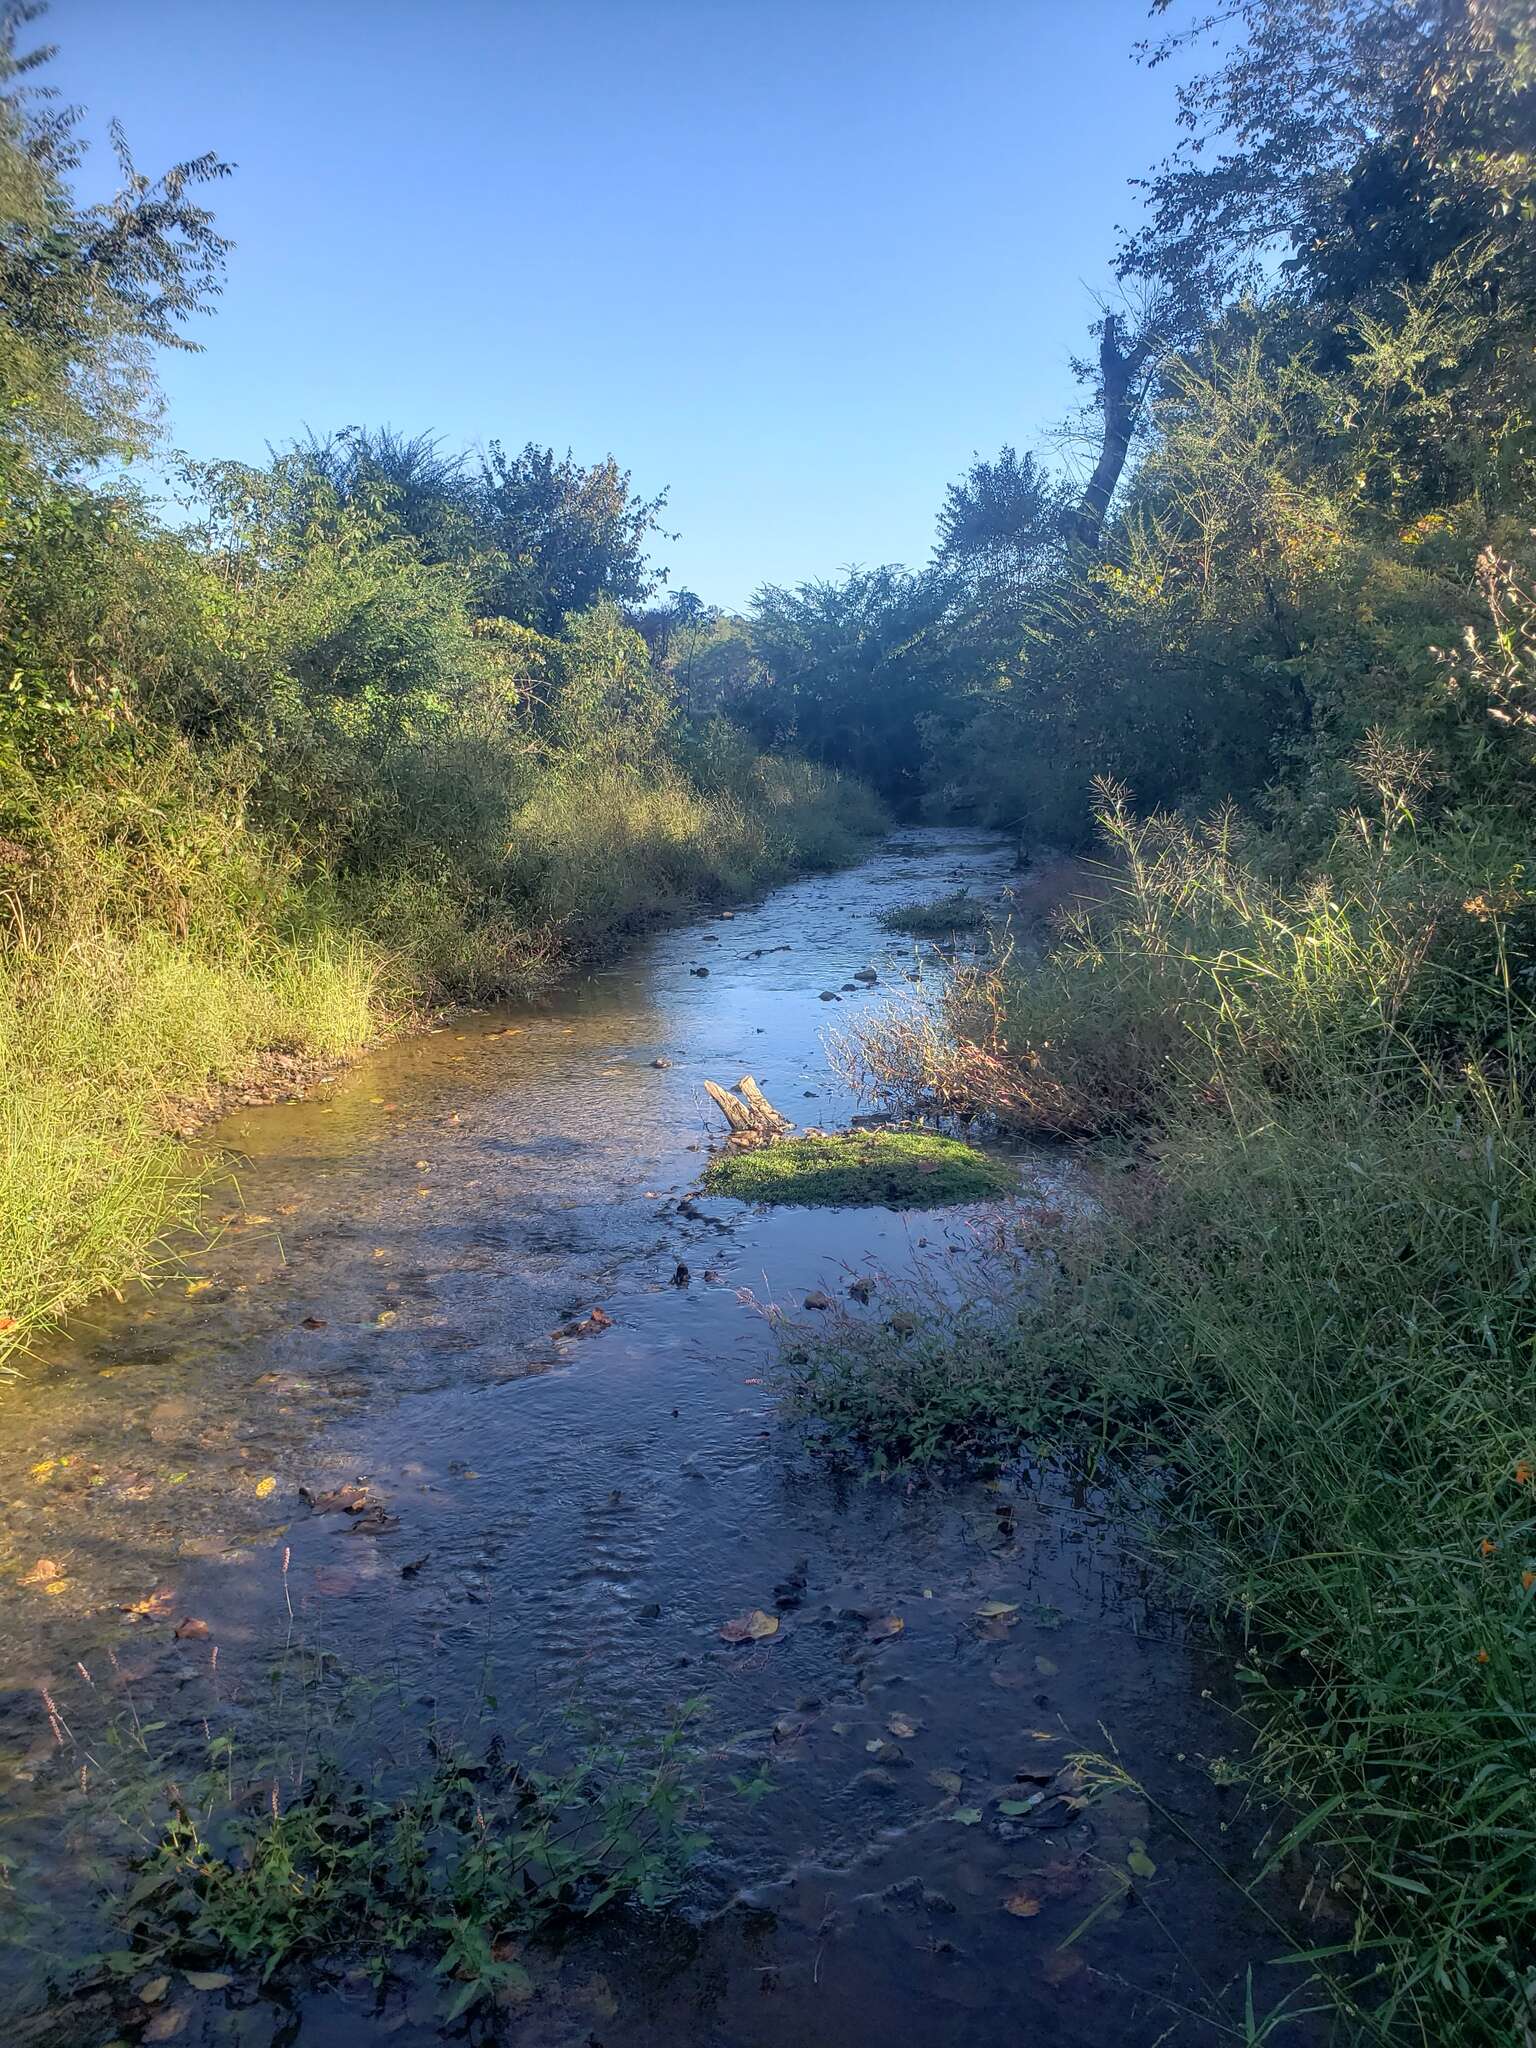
<point x="794" y="259"/>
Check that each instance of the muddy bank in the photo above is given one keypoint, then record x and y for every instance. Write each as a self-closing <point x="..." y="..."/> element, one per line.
<point x="568" y="1521"/>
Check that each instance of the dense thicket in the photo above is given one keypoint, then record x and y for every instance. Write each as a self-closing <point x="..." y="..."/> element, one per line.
<point x="1323" y="371"/>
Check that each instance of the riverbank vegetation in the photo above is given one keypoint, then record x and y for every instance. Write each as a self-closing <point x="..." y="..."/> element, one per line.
<point x="352" y="732"/>
<point x="1273" y="665"/>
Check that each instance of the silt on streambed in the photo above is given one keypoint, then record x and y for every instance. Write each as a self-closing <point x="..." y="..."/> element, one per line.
<point x="900" y="1846"/>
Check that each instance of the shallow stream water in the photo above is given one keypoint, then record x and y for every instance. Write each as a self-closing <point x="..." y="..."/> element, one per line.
<point x="575" y="1517"/>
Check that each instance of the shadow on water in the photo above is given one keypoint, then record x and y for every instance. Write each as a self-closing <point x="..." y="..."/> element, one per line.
<point x="580" y="1515"/>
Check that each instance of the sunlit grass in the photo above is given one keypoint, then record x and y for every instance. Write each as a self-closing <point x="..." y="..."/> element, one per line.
<point x="894" y="1169"/>
<point x="1304" y="1325"/>
<point x="162" y="945"/>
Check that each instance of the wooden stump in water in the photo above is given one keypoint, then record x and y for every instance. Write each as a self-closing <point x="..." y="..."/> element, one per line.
<point x="751" y="1116"/>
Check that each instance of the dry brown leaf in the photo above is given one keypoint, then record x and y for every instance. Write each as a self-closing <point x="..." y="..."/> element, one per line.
<point x="752" y="1627"/>
<point x="586" y="1326"/>
<point x="191" y="1630"/>
<point x="884" y="1626"/>
<point x="350" y="1498"/>
<point x="1023" y="1905"/>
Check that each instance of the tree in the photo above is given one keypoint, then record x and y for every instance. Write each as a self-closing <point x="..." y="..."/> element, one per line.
<point x="87" y="293"/>
<point x="1002" y="522"/>
<point x="854" y="668"/>
<point x="569" y="536"/>
<point x="1129" y="359"/>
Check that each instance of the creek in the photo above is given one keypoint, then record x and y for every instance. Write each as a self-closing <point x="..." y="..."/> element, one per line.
<point x="571" y="1520"/>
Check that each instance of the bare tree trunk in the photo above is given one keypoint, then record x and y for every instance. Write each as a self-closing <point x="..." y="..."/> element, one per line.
<point x="1121" y="395"/>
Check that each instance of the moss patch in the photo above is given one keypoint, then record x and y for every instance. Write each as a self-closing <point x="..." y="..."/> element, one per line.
<point x="888" y="1169"/>
<point x="939" y="919"/>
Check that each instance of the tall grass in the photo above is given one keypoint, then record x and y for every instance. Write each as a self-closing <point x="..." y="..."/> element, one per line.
<point x="1304" y="1325"/>
<point x="157" y="944"/>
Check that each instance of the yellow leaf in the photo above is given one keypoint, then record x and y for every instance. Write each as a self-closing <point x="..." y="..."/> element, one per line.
<point x="266" y="1486"/>
<point x="198" y="1286"/>
<point x="752" y="1627"/>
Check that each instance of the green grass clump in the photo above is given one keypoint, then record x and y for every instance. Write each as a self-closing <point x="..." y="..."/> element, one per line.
<point x="945" y="917"/>
<point x="888" y="1169"/>
<point x="456" y="1871"/>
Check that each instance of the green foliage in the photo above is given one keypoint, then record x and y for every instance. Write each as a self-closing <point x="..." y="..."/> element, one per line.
<point x="457" y="1871"/>
<point x="87" y="291"/>
<point x="894" y="1169"/>
<point x="942" y="918"/>
<point x="851" y="669"/>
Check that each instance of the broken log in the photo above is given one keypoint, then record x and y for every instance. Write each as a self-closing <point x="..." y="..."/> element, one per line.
<point x="748" y="1112"/>
<point x="762" y="1109"/>
<point x="737" y="1115"/>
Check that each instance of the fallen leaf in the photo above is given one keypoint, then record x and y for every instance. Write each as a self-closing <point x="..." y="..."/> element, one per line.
<point x="313" y="1323"/>
<point x="167" y="2023"/>
<point x="1023" y="1905"/>
<point x="1139" y="1863"/>
<point x="44" y="1570"/>
<point x="1014" y="1807"/>
<point x="947" y="1781"/>
<point x="885" y="1626"/>
<point x="994" y="1610"/>
<point x="208" y="1980"/>
<point x="586" y="1326"/>
<point x="376" y="1522"/>
<point x="350" y="1498"/>
<point x="966" y="1816"/>
<point x="198" y="1286"/>
<point x="191" y="1630"/>
<point x="752" y="1627"/>
<point x="385" y="1317"/>
<point x="901" y="1727"/>
<point x="266" y="1487"/>
<point x="155" y="1990"/>
<point x="1046" y="1668"/>
<point x="156" y="1605"/>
